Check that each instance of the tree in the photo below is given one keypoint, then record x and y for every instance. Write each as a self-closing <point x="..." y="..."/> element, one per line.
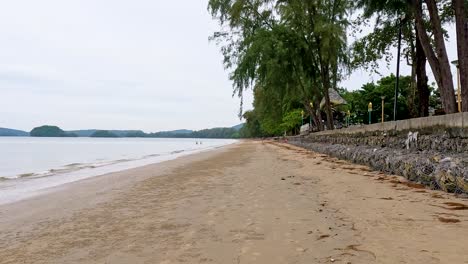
<point x="421" y="77"/>
<point x="437" y="55"/>
<point x="420" y="46"/>
<point x="461" y="22"/>
<point x="252" y="126"/>
<point x="269" y="109"/>
<point x="322" y="25"/>
<point x="296" y="49"/>
<point x="292" y="120"/>
<point x="372" y="92"/>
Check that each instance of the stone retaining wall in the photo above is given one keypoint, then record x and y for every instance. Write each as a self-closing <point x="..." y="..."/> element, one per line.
<point x="436" y="156"/>
<point x="441" y="142"/>
<point x="453" y="124"/>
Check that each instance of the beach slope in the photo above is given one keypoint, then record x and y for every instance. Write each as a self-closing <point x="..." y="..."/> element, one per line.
<point x="252" y="202"/>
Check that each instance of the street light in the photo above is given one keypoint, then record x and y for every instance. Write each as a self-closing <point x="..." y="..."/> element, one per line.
<point x="383" y="106"/>
<point x="455" y="62"/>
<point x="348" y="116"/>
<point x="310" y="115"/>
<point x="402" y="18"/>
<point x="369" y="109"/>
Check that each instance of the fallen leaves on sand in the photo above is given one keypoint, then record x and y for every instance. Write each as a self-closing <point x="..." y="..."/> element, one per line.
<point x="355" y="248"/>
<point x="386" y="198"/>
<point x="409" y="184"/>
<point x="437" y="195"/>
<point x="322" y="237"/>
<point x="456" y="206"/>
<point x="448" y="220"/>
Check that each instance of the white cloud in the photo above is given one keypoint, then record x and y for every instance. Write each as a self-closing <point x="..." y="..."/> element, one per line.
<point x="112" y="64"/>
<point x="140" y="64"/>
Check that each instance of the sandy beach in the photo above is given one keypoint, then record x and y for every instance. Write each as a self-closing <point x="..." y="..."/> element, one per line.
<point x="251" y="202"/>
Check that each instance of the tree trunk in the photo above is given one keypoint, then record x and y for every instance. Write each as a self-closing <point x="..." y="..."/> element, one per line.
<point x="422" y="87"/>
<point x="326" y="88"/>
<point x="312" y="111"/>
<point x="461" y="22"/>
<point x="412" y="106"/>
<point x="448" y="102"/>
<point x="438" y="61"/>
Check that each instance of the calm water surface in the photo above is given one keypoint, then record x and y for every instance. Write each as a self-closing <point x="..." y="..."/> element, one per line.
<point x="29" y="165"/>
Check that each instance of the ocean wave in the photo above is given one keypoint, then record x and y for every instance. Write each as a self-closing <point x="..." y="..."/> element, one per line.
<point x="35" y="175"/>
<point x="122" y="160"/>
<point x="151" y="156"/>
<point x="76" y="166"/>
<point x="66" y="169"/>
<point x="73" y="164"/>
<point x="25" y="175"/>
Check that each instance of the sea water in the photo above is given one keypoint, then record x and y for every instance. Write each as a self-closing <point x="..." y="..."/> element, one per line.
<point x="29" y="165"/>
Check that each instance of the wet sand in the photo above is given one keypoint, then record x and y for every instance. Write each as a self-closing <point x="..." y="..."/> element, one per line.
<point x="253" y="202"/>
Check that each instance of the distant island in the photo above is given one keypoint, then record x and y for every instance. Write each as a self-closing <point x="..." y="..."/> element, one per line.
<point x="50" y="131"/>
<point x="55" y="131"/>
<point x="8" y="132"/>
<point x="104" y="134"/>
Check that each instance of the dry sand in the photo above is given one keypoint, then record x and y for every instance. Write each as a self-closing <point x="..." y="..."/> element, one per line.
<point x="253" y="202"/>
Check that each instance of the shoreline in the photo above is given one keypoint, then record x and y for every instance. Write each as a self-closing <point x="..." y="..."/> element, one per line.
<point x="251" y="202"/>
<point x="18" y="189"/>
<point x="95" y="189"/>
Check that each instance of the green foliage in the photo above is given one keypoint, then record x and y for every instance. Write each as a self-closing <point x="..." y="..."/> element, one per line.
<point x="221" y="132"/>
<point x="104" y="134"/>
<point x="291" y="53"/>
<point x="294" y="51"/>
<point x="370" y="49"/>
<point x="252" y="127"/>
<point x="49" y="131"/>
<point x="386" y="17"/>
<point x="292" y="120"/>
<point x="135" y="134"/>
<point x="372" y="92"/>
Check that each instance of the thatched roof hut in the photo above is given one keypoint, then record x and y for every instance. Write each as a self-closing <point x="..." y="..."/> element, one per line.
<point x="335" y="99"/>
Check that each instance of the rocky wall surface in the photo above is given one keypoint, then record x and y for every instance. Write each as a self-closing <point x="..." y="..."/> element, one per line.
<point x="441" y="142"/>
<point x="439" y="161"/>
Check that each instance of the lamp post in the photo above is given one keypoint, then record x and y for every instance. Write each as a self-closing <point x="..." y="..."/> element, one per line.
<point x="348" y="115"/>
<point x="383" y="106"/>
<point x="369" y="109"/>
<point x="398" y="68"/>
<point x="310" y="115"/>
<point x="455" y="62"/>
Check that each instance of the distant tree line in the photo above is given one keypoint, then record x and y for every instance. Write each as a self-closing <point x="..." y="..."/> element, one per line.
<point x="264" y="121"/>
<point x="358" y="101"/>
<point x="222" y="132"/>
<point x="54" y="131"/>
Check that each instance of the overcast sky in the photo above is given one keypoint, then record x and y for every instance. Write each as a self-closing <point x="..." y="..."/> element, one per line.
<point x="116" y="64"/>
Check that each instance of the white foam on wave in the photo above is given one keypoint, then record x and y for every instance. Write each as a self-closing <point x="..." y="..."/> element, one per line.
<point x="28" y="185"/>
